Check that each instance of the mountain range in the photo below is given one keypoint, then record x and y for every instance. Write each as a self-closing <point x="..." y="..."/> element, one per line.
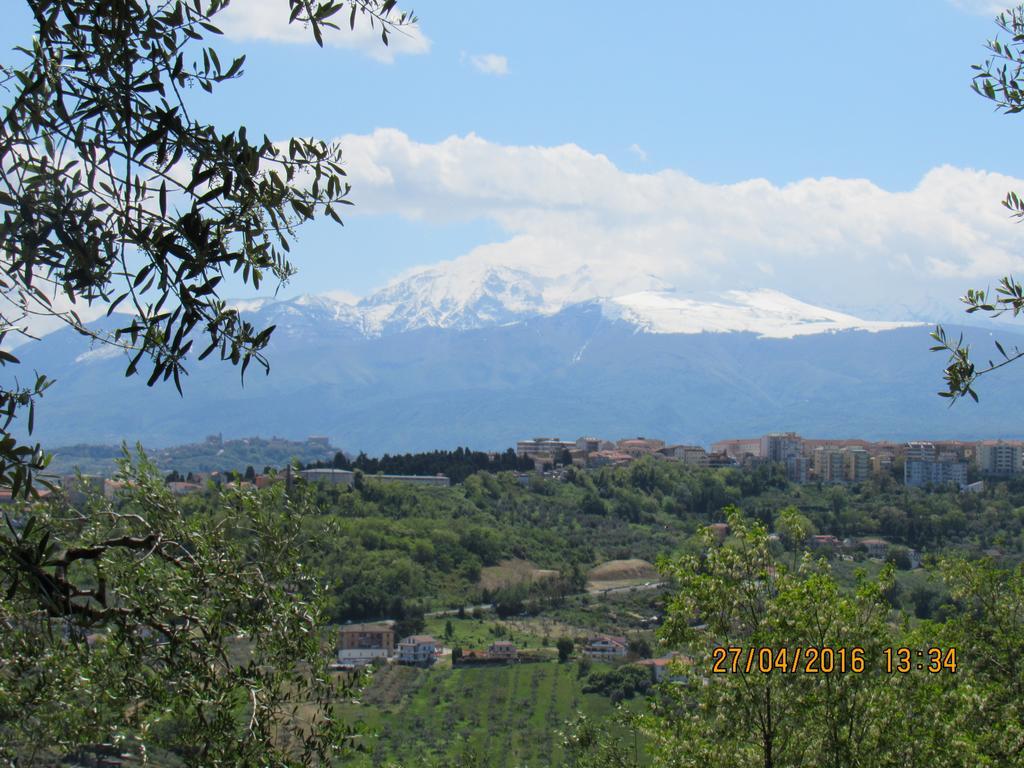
<point x="484" y="355"/>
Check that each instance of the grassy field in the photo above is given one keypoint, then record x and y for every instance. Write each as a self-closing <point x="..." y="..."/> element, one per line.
<point x="530" y="633"/>
<point x="505" y="716"/>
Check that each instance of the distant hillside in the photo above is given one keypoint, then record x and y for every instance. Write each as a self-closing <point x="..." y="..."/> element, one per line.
<point x="212" y="454"/>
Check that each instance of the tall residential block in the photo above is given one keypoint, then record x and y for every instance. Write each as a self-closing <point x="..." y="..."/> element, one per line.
<point x="1000" y="458"/>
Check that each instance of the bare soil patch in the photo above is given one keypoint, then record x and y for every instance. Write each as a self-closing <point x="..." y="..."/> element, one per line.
<point x="509" y="573"/>
<point x="619" y="570"/>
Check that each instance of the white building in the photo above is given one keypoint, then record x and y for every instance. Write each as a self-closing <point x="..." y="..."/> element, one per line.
<point x="605" y="647"/>
<point x="418" y="650"/>
<point x="919" y="473"/>
<point x="329" y="476"/>
<point x="542" y="446"/>
<point x="347" y="477"/>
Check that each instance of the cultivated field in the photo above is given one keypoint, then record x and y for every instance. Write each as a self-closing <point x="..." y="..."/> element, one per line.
<point x="503" y="716"/>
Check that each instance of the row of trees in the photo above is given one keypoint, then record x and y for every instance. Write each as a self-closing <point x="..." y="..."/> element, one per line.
<point x="456" y="465"/>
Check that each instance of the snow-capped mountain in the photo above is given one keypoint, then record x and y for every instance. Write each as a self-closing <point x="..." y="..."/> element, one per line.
<point x="483" y="356"/>
<point x="468" y="296"/>
<point x="471" y="297"/>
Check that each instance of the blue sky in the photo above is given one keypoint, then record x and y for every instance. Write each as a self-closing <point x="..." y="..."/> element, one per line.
<point x="539" y="133"/>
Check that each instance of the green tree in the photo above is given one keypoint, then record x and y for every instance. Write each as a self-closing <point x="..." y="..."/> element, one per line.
<point x="114" y="191"/>
<point x="735" y="595"/>
<point x="998" y="79"/>
<point x="988" y="635"/>
<point x="134" y="622"/>
<point x="131" y="622"/>
<point x="565" y="648"/>
<point x="592" y="744"/>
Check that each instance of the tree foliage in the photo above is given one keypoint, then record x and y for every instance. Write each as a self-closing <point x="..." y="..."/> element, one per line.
<point x="999" y="80"/>
<point x="131" y="623"/>
<point x="738" y="594"/>
<point x="114" y="191"/>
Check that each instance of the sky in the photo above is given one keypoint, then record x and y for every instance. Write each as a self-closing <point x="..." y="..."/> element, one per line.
<point x="832" y="151"/>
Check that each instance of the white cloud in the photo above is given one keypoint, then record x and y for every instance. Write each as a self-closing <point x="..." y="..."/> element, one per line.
<point x="489" y="63"/>
<point x="39" y="325"/>
<point x="639" y="151"/>
<point x="981" y="7"/>
<point x="843" y="243"/>
<point x="268" y="20"/>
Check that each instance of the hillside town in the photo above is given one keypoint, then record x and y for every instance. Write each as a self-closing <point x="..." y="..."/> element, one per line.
<point x="964" y="464"/>
<point x="806" y="460"/>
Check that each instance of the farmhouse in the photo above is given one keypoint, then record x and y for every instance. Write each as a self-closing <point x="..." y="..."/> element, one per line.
<point x="605" y="647"/>
<point x="503" y="650"/>
<point x="417" y="650"/>
<point x="360" y="644"/>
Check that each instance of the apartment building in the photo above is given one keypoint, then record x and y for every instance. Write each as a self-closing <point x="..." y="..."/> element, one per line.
<point x="856" y="464"/>
<point x="779" y="446"/>
<point x="926" y="466"/>
<point x="1000" y="458"/>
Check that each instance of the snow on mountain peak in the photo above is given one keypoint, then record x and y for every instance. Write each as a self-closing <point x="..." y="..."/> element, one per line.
<point x="466" y="294"/>
<point x="455" y="296"/>
<point x="768" y="313"/>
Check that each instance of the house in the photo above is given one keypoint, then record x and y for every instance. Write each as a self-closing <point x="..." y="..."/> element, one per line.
<point x="825" y="540"/>
<point x="604" y="458"/>
<point x="717" y="460"/>
<point x="417" y="650"/>
<point x="661" y="668"/>
<point x="605" y="647"/>
<point x="738" y="448"/>
<point x="183" y="489"/>
<point x="638" y="447"/>
<point x="691" y="455"/>
<point x="503" y="650"/>
<point x="588" y="444"/>
<point x="875" y="547"/>
<point x="543" y="450"/>
<point x="360" y="644"/>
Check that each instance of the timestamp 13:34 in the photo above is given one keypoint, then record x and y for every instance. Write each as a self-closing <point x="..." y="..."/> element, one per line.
<point x="826" y="660"/>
